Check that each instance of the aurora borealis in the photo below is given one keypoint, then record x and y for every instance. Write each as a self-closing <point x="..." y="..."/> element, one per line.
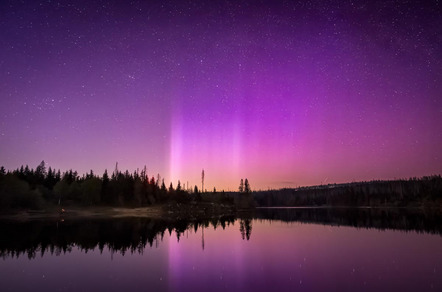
<point x="285" y="93"/>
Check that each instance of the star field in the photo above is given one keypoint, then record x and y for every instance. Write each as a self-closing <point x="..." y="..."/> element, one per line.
<point x="286" y="93"/>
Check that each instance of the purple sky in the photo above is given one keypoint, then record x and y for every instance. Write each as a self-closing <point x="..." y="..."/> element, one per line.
<point x="283" y="93"/>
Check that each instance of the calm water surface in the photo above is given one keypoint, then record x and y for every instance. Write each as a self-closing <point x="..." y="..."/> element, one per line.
<point x="299" y="251"/>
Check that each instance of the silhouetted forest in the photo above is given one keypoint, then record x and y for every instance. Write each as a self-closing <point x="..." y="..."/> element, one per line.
<point x="26" y="188"/>
<point x="34" y="189"/>
<point x="425" y="191"/>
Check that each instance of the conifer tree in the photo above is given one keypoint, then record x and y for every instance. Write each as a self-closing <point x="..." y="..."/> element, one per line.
<point x="246" y="186"/>
<point x="241" y="186"/>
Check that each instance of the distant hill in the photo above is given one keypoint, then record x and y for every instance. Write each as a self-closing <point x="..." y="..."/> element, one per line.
<point x="425" y="192"/>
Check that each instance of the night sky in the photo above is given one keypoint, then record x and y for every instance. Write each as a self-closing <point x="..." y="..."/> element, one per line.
<point x="285" y="93"/>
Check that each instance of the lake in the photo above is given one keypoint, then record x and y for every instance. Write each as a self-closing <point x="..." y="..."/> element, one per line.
<point x="298" y="249"/>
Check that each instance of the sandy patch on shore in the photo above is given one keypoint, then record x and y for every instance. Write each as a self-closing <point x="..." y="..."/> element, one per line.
<point x="78" y="212"/>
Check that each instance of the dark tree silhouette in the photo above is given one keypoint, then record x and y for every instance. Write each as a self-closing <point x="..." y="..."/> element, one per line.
<point x="105" y="188"/>
<point x="163" y="186"/>
<point x="26" y="188"/>
<point x="202" y="181"/>
<point x="171" y="190"/>
<point x="40" y="171"/>
<point x="241" y="186"/>
<point x="246" y="186"/>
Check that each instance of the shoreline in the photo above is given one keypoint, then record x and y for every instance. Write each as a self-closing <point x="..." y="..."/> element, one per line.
<point x="172" y="211"/>
<point x="78" y="212"/>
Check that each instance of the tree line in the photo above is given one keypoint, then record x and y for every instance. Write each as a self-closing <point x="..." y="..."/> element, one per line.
<point x="425" y="191"/>
<point x="33" y="188"/>
<point x="39" y="187"/>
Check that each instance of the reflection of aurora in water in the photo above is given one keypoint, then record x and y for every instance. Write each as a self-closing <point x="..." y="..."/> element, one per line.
<point x="132" y="235"/>
<point x="284" y="250"/>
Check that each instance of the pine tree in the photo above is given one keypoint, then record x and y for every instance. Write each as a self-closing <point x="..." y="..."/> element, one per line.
<point x="241" y="186"/>
<point x="246" y="186"/>
<point x="40" y="171"/>
<point x="163" y="186"/>
<point x="171" y="190"/>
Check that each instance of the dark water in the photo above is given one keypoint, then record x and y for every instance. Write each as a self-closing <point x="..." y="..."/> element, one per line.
<point x="270" y="250"/>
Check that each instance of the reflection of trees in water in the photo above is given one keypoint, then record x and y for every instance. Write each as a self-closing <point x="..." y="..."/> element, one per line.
<point x="134" y="234"/>
<point x="245" y="227"/>
<point x="406" y="219"/>
<point x="118" y="235"/>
